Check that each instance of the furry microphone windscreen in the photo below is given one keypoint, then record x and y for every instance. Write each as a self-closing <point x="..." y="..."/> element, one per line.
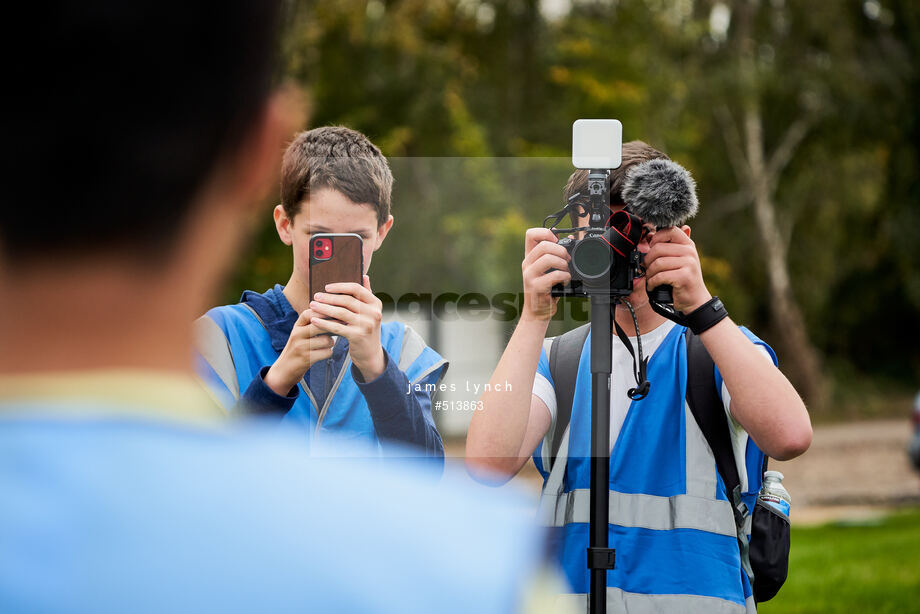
<point x="661" y="192"/>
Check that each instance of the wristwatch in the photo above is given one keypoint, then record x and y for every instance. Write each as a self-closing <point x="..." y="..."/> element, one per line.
<point x="706" y="315"/>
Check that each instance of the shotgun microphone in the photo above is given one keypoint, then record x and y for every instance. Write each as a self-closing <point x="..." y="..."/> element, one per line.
<point x="663" y="194"/>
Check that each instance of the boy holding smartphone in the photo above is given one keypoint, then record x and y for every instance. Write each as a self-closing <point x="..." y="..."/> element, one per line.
<point x="328" y="363"/>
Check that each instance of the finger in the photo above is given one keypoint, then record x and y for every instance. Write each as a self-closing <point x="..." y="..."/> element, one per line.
<point x="307" y="331"/>
<point x="545" y="283"/>
<point x="669" y="263"/>
<point x="351" y="289"/>
<point x="320" y="342"/>
<point x="374" y="300"/>
<point x="306" y="347"/>
<point x="544" y="247"/>
<point x="304" y="318"/>
<point x="544" y="263"/>
<point x="318" y="355"/>
<point x="535" y="235"/>
<point x="329" y="326"/>
<point x="663" y="250"/>
<point x="670" y="235"/>
<point x="654" y="281"/>
<point x="338" y="300"/>
<point x="338" y="313"/>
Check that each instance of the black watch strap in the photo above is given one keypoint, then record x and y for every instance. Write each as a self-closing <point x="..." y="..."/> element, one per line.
<point x="706" y="315"/>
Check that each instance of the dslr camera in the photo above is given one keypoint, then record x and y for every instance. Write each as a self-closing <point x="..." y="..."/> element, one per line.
<point x="602" y="245"/>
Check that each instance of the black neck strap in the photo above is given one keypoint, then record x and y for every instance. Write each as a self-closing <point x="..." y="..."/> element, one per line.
<point x="640" y="365"/>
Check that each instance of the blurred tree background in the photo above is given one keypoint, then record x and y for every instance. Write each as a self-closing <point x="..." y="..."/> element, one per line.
<point x="798" y="120"/>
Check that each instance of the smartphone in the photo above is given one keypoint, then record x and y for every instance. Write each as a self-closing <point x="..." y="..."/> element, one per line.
<point x="334" y="258"/>
<point x="597" y="143"/>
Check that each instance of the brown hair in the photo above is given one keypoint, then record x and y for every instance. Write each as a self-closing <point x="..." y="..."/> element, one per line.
<point x="338" y="158"/>
<point x="634" y="152"/>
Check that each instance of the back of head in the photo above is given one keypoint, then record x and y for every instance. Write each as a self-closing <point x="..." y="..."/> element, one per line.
<point x="119" y="112"/>
<point x="634" y="152"/>
<point x="338" y="158"/>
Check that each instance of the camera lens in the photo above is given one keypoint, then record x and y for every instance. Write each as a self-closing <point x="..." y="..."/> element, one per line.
<point x="591" y="258"/>
<point x="318" y="253"/>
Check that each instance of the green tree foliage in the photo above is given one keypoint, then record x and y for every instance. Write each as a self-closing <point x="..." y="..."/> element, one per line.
<point x="474" y="101"/>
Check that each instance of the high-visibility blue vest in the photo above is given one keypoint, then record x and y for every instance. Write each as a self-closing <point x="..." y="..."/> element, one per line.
<point x="671" y="523"/>
<point x="344" y="411"/>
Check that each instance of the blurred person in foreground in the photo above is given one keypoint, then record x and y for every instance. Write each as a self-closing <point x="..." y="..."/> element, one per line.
<point x="671" y="523"/>
<point x="138" y="142"/>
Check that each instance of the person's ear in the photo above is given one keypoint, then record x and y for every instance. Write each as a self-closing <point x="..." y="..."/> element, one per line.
<point x="284" y="225"/>
<point x="685" y="229"/>
<point x="382" y="232"/>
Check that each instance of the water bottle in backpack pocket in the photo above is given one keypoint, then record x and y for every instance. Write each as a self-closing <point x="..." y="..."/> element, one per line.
<point x="769" y="544"/>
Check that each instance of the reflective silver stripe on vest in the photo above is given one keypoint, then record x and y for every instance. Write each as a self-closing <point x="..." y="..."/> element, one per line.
<point x="648" y="512"/>
<point x="552" y="495"/>
<point x="701" y="464"/>
<point x="213" y="346"/>
<point x="619" y="601"/>
<point x="412" y="347"/>
<point x="547" y="445"/>
<point x="698" y="509"/>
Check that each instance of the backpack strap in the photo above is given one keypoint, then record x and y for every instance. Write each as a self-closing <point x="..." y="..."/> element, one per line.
<point x="564" y="356"/>
<point x="707" y="408"/>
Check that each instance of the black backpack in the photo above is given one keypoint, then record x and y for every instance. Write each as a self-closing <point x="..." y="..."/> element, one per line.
<point x="766" y="555"/>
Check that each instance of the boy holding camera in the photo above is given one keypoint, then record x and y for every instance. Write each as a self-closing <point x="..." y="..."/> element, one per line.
<point x="670" y="522"/>
<point x="328" y="363"/>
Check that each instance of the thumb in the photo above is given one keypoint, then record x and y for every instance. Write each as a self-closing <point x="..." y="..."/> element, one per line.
<point x="304" y="318"/>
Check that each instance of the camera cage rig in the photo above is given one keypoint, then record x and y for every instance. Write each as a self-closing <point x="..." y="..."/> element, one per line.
<point x="621" y="232"/>
<point x="610" y="241"/>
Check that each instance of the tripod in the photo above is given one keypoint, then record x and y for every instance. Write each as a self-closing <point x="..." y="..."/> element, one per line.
<point x="600" y="556"/>
<point x="603" y="263"/>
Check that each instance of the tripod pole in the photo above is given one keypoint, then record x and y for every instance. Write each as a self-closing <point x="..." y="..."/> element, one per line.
<point x="600" y="557"/>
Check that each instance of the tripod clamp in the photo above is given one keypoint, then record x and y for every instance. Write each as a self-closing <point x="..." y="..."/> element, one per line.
<point x="601" y="558"/>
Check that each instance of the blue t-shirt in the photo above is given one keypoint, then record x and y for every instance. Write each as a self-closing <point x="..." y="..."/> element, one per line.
<point x="133" y="514"/>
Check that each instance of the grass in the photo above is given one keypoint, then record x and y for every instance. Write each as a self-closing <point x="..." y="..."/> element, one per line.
<point x="874" y="567"/>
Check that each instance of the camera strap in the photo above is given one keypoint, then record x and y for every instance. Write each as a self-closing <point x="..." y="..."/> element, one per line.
<point x="573" y="208"/>
<point x="668" y="311"/>
<point x="624" y="231"/>
<point x="640" y="365"/>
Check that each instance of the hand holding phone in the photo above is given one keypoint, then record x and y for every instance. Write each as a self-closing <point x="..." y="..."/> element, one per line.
<point x="308" y="344"/>
<point x="352" y="311"/>
<point x="342" y="302"/>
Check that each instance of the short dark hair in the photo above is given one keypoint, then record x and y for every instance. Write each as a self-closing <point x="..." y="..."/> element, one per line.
<point x="634" y="152"/>
<point x="120" y="113"/>
<point x="338" y="158"/>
